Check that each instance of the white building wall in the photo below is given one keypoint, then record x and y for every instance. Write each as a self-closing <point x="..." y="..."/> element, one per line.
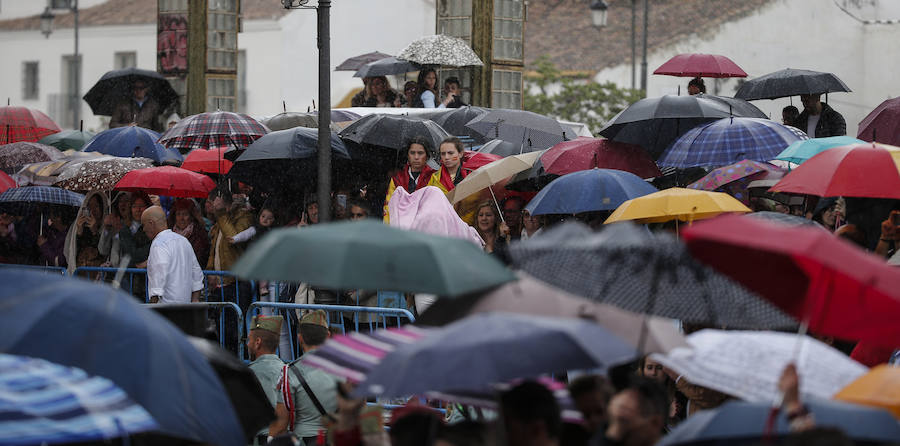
<point x="802" y="34"/>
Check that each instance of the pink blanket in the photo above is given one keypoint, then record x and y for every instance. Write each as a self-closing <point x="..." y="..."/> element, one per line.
<point x="428" y="210"/>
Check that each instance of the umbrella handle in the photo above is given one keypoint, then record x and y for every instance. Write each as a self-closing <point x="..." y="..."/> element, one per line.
<point x="499" y="212"/>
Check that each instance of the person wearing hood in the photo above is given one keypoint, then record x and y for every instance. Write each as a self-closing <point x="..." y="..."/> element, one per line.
<point x="83" y="237"/>
<point x="118" y="218"/>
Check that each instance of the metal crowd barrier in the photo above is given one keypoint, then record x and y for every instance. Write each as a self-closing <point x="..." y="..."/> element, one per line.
<point x="50" y="269"/>
<point x="222" y="307"/>
<point x="106" y="274"/>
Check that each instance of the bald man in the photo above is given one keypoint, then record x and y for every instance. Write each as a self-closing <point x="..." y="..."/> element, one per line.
<point x="173" y="274"/>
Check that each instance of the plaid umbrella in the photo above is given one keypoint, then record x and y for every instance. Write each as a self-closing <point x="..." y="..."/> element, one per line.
<point x="441" y="50"/>
<point x="100" y="173"/>
<point x="22" y="198"/>
<point x="639" y="272"/>
<point x="213" y="130"/>
<point x="24" y="124"/>
<point x="729" y="140"/>
<point x="17" y="154"/>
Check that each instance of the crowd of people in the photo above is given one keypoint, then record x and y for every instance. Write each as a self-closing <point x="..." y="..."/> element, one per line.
<point x="421" y="93"/>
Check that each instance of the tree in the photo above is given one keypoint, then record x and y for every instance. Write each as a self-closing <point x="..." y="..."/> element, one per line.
<point x="574" y="98"/>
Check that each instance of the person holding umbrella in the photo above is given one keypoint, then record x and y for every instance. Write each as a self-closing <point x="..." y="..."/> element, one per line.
<point x="140" y="109"/>
<point x="819" y="120"/>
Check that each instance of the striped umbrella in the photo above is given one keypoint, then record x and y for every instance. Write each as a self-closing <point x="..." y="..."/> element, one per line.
<point x="213" y="130"/>
<point x="44" y="403"/>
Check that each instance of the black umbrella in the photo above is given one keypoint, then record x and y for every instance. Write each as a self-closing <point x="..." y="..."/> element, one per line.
<point x="790" y="82"/>
<point x="386" y="66"/>
<point x="654" y="123"/>
<point x="521" y="127"/>
<point x="740" y="107"/>
<point x="454" y="120"/>
<point x="533" y="179"/>
<point x="504" y="148"/>
<point x="653" y="274"/>
<point x="356" y="62"/>
<point x="284" y="160"/>
<point x="393" y="131"/>
<point x="115" y="86"/>
<point x="244" y="391"/>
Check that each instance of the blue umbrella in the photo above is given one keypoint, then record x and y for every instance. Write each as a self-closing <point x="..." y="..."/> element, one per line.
<point x="475" y="352"/>
<point x="588" y="190"/>
<point x="43" y="402"/>
<point x="105" y="332"/>
<point x="737" y="422"/>
<point x="800" y="151"/>
<point x="729" y="140"/>
<point x="132" y="142"/>
<point x="41" y="194"/>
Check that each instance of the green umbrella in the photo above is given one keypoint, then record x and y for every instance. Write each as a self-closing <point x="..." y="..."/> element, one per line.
<point x="67" y="139"/>
<point x="374" y="256"/>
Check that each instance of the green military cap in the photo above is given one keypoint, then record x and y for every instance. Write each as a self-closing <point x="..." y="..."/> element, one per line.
<point x="268" y="323"/>
<point x="317" y="317"/>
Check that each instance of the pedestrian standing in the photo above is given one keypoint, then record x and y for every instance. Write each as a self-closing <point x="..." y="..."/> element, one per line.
<point x="173" y="273"/>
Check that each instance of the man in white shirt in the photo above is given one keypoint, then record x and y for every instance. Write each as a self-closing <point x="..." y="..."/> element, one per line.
<point x="173" y="273"/>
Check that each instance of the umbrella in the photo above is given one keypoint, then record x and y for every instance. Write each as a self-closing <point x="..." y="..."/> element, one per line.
<point x="169" y="181"/>
<point x="588" y="191"/>
<point x="289" y="120"/>
<point x="371" y="255"/>
<point x="882" y="124"/>
<point x="24" y="124"/>
<point x="730" y="140"/>
<point x="486" y="176"/>
<point x="742" y="423"/>
<point x="748" y="364"/>
<point x="800" y="151"/>
<point x="735" y="178"/>
<point x="737" y="106"/>
<point x="46" y="403"/>
<point x="504" y="148"/>
<point x="700" y="65"/>
<point x="342" y="115"/>
<point x="441" y="50"/>
<point x="213" y="130"/>
<point x="393" y="131"/>
<point x="387" y="66"/>
<point x="454" y="121"/>
<point x="132" y="142"/>
<point x="859" y="170"/>
<point x="6" y="182"/>
<point x="880" y="387"/>
<point x="487" y="348"/>
<point x="67" y="139"/>
<point x="528" y="129"/>
<point x="676" y="204"/>
<point x="654" y="123"/>
<point x="784" y="219"/>
<point x="356" y="62"/>
<point x="531" y="179"/>
<point x="284" y="160"/>
<point x="790" y="82"/>
<point x="115" y="86"/>
<point x="103" y="331"/>
<point x="837" y="288"/>
<point x="588" y="153"/>
<point x="207" y="161"/>
<point x="18" y="154"/>
<point x="244" y="391"/>
<point x="99" y="173"/>
<point x="641" y="272"/>
<point x="531" y="296"/>
<point x="31" y="195"/>
<point x="45" y="173"/>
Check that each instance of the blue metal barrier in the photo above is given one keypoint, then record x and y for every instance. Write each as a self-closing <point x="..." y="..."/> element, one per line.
<point x="329" y="309"/>
<point x="221" y="306"/>
<point x="105" y="273"/>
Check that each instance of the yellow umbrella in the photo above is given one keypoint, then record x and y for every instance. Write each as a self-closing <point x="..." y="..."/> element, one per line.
<point x="491" y="174"/>
<point x="878" y="388"/>
<point x="676" y="204"/>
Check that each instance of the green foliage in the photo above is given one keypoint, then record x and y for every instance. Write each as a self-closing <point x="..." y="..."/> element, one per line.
<point x="574" y="98"/>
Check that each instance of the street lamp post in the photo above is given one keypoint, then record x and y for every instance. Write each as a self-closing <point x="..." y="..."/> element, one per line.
<point x="46" y="30"/>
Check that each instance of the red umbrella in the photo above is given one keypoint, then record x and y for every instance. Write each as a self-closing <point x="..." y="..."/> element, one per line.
<point x="882" y="124"/>
<point x="700" y="65"/>
<point x="24" y="124"/>
<point x="587" y="153"/>
<point x="857" y="170"/>
<point x="168" y="181"/>
<point x="837" y="288"/>
<point x="6" y="182"/>
<point x="474" y="160"/>
<point x="207" y="161"/>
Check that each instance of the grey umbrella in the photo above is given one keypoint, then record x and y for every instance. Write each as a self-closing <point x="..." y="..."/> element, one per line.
<point x="790" y="82"/>
<point x="356" y="62"/>
<point x="525" y="128"/>
<point x="289" y="120"/>
<point x="454" y="120"/>
<point x="637" y="271"/>
<point x="504" y="148"/>
<point x="386" y="66"/>
<point x="393" y="131"/>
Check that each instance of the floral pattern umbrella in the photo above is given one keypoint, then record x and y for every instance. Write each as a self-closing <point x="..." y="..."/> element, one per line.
<point x="17" y="154"/>
<point x="441" y="50"/>
<point x="733" y="179"/>
<point x="100" y="173"/>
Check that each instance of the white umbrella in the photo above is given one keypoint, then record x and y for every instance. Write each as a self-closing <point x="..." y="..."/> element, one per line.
<point x="440" y="50"/>
<point x="748" y="364"/>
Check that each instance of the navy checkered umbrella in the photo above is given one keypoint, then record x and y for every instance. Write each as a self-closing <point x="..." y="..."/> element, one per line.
<point x="41" y="194"/>
<point x="652" y="274"/>
<point x="729" y="140"/>
<point x="213" y="130"/>
<point x="524" y="128"/>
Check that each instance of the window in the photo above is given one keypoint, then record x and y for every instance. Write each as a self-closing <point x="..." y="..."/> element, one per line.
<point x="220" y="93"/>
<point x="465" y="81"/>
<point x="30" y="88"/>
<point x="221" y="40"/>
<point x="124" y="59"/>
<point x="455" y="19"/>
<point x="506" y="90"/>
<point x="509" y="29"/>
